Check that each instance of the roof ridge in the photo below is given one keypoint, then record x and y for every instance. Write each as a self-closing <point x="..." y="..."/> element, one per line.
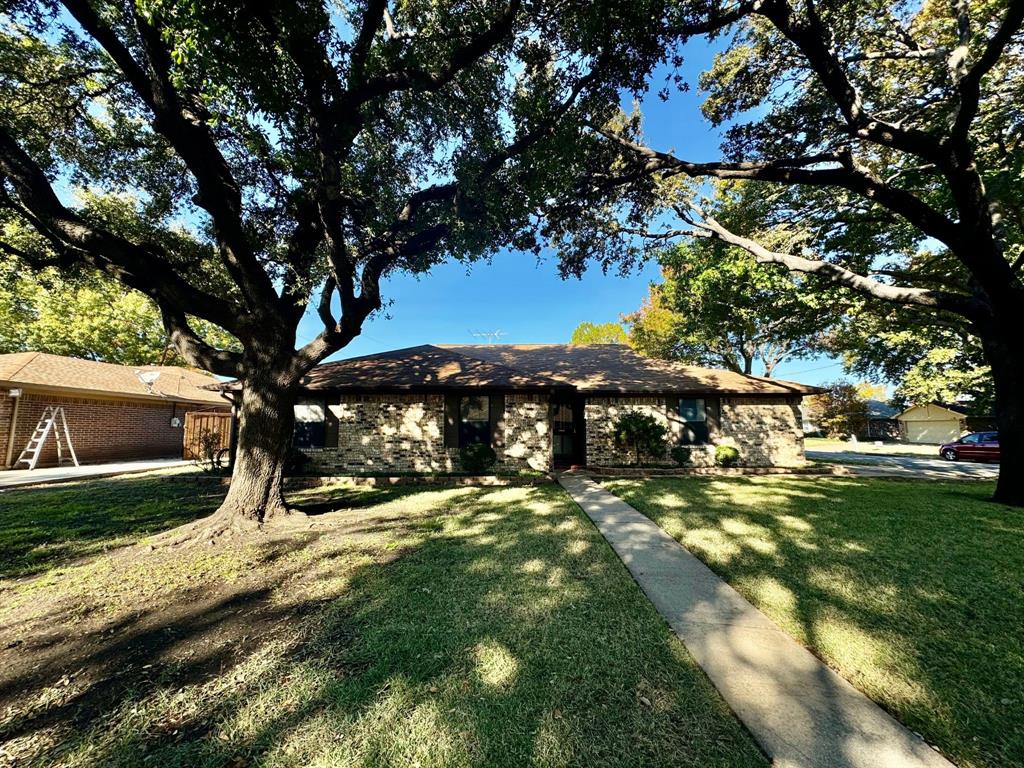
<point x="31" y="356"/>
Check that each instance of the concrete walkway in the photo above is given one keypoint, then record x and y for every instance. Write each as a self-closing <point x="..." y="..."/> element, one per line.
<point x="802" y="713"/>
<point x="13" y="478"/>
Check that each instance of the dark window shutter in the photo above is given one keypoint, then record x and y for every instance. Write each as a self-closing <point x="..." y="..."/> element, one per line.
<point x="497" y="418"/>
<point x="331" y="426"/>
<point x="451" y="421"/>
<point x="711" y="410"/>
<point x="675" y="425"/>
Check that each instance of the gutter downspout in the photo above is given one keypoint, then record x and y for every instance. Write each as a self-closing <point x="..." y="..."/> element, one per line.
<point x="10" y="437"/>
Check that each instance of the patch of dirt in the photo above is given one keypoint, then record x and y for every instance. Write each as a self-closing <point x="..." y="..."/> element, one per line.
<point x="68" y="652"/>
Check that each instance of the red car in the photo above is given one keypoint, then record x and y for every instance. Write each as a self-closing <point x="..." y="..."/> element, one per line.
<point x="979" y="446"/>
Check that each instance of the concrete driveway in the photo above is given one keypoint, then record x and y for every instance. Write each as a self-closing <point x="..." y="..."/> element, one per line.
<point x="14" y="478"/>
<point x="907" y="466"/>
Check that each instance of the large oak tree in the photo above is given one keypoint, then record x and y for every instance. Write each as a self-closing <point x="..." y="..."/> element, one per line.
<point x="257" y="158"/>
<point x="892" y="133"/>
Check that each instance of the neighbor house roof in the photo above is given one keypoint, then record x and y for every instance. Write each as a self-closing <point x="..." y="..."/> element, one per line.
<point x="960" y="409"/>
<point x="592" y="368"/>
<point x="39" y="370"/>
<point x="615" y="368"/>
<point x="877" y="409"/>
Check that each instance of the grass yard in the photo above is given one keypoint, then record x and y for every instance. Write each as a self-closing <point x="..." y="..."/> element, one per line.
<point x="912" y="590"/>
<point x="887" y="448"/>
<point x="455" y="627"/>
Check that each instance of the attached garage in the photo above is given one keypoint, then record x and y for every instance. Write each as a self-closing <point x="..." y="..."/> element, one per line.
<point x="113" y="412"/>
<point x="933" y="423"/>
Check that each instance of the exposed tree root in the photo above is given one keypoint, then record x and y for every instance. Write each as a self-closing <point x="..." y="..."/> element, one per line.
<point x="226" y="525"/>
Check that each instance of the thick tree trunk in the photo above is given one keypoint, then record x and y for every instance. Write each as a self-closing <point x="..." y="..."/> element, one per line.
<point x="266" y="419"/>
<point x="1005" y="353"/>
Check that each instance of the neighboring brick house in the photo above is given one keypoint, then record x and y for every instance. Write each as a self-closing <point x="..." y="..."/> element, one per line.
<point x="112" y="413"/>
<point x="539" y="406"/>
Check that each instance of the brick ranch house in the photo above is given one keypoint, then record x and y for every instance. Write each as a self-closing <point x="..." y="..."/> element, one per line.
<point x="112" y="413"/>
<point x="538" y="406"/>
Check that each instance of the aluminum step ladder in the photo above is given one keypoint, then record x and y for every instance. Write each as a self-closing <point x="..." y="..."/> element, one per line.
<point x="47" y="424"/>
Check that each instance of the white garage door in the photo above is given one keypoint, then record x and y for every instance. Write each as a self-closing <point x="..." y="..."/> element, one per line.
<point x="932" y="431"/>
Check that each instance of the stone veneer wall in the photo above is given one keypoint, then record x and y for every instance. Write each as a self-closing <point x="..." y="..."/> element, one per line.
<point x="766" y="430"/>
<point x="600" y="414"/>
<point x="526" y="433"/>
<point x="405" y="433"/>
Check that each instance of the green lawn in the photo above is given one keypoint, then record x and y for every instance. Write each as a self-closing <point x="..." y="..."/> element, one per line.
<point x="459" y="627"/>
<point x="43" y="528"/>
<point x="912" y="590"/>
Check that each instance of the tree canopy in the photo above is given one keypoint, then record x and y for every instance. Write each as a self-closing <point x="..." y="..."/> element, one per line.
<point x="886" y="139"/>
<point x="717" y="307"/>
<point x="85" y="316"/>
<point x="599" y="333"/>
<point x="240" y="163"/>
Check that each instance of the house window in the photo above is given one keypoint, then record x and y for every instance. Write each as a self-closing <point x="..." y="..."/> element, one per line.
<point x="310" y="424"/>
<point x="694" y="421"/>
<point x="474" y="420"/>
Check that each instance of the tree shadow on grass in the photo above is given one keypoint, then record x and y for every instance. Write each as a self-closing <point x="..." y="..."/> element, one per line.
<point x="913" y="590"/>
<point x="46" y="527"/>
<point x="494" y="628"/>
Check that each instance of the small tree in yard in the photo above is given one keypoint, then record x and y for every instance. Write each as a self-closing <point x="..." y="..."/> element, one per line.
<point x="840" y="411"/>
<point x="640" y="433"/>
<point x="246" y="162"/>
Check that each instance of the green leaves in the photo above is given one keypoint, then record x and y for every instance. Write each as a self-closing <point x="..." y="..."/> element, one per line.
<point x="716" y="306"/>
<point x="599" y="333"/>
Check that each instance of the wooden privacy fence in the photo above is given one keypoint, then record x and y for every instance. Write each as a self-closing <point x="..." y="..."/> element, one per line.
<point x="198" y="424"/>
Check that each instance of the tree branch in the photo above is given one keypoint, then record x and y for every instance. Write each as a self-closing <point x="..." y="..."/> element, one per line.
<point x="969" y="86"/>
<point x="797" y="170"/>
<point x="194" y="349"/>
<point x="186" y="131"/>
<point x="461" y="58"/>
<point x="958" y="303"/>
<point x="143" y="267"/>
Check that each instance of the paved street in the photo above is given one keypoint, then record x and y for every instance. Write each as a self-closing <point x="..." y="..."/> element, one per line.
<point x="907" y="466"/>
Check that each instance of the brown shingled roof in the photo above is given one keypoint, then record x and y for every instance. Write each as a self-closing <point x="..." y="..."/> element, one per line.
<point x="421" y="367"/>
<point x="591" y="368"/>
<point x="615" y="368"/>
<point x="71" y="374"/>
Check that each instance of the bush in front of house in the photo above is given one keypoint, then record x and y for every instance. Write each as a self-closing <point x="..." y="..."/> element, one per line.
<point x="640" y="433"/>
<point x="681" y="454"/>
<point x="477" y="458"/>
<point x="726" y="456"/>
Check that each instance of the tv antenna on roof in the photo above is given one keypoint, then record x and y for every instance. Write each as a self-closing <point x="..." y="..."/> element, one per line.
<point x="491" y="336"/>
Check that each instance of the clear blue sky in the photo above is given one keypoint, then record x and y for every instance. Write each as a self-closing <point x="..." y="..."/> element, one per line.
<point x="527" y="300"/>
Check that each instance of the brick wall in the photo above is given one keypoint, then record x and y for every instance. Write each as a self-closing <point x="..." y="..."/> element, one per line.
<point x="526" y="434"/>
<point x="103" y="430"/>
<point x="766" y="430"/>
<point x="600" y="414"/>
<point x="405" y="433"/>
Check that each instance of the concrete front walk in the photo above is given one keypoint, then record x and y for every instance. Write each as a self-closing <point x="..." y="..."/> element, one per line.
<point x="13" y="478"/>
<point x="802" y="713"/>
